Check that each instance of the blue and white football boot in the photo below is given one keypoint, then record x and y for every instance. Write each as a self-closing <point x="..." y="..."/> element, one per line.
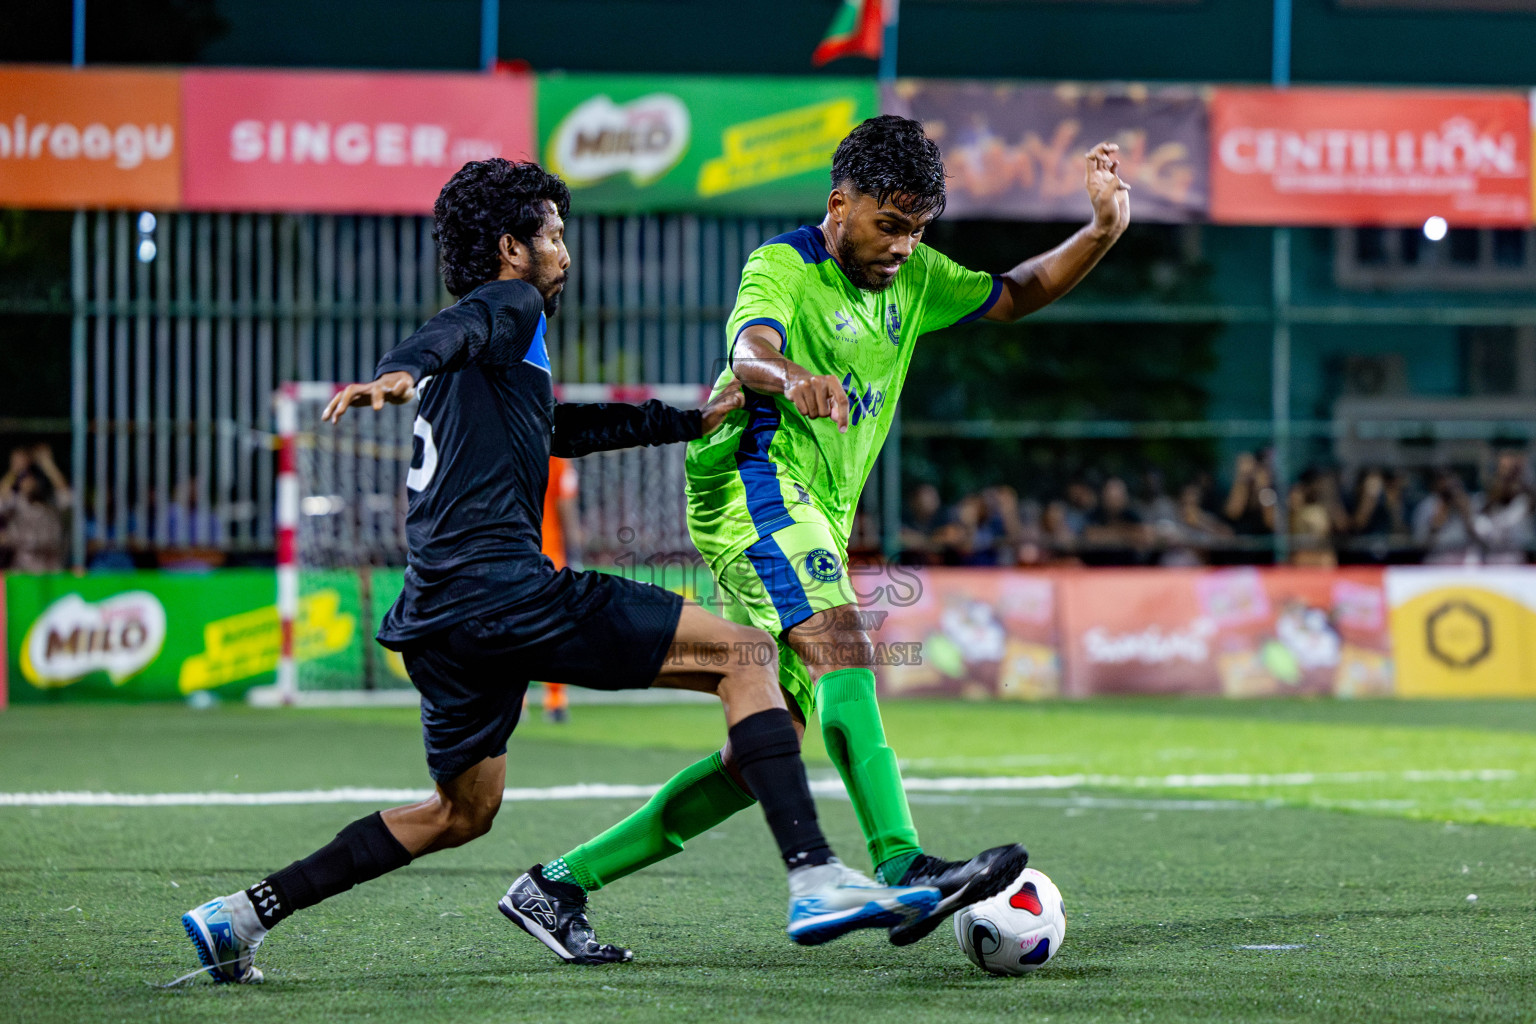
<point x="830" y="900"/>
<point x="226" y="933"/>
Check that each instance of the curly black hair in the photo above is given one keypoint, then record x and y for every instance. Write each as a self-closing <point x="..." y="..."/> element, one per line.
<point x="890" y="159"/>
<point x="483" y="201"/>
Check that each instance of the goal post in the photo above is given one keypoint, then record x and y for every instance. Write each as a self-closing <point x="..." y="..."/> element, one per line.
<point x="341" y="541"/>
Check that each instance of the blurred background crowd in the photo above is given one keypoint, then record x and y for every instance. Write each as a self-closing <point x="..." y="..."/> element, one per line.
<point x="1447" y="515"/>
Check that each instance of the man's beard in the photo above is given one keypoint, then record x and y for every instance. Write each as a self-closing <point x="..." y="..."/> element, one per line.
<point x="849" y="260"/>
<point x="547" y="280"/>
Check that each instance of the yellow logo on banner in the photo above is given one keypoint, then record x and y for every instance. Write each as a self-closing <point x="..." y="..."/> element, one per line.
<point x="1464" y="641"/>
<point x="249" y="644"/>
<point x="778" y="146"/>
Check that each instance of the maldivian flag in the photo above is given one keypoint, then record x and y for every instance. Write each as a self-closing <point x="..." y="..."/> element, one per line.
<point x="857" y="31"/>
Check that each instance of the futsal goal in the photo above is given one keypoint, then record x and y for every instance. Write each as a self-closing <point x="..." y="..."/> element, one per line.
<point x="341" y="541"/>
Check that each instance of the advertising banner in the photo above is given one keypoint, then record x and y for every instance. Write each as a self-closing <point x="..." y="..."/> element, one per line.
<point x="73" y="138"/>
<point x="1016" y="151"/>
<point x="966" y="633"/>
<point x="1464" y="632"/>
<point x="348" y="142"/>
<point x="1237" y="632"/>
<point x="153" y="635"/>
<point x="627" y="143"/>
<point x="1377" y="156"/>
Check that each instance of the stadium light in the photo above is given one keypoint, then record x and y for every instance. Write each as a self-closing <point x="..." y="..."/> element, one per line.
<point x="1435" y="228"/>
<point x="147" y="250"/>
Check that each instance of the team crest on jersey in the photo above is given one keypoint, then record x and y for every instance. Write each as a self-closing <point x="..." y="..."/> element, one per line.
<point x="893" y="324"/>
<point x="823" y="565"/>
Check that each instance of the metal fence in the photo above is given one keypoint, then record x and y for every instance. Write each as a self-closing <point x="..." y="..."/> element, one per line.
<point x="176" y="355"/>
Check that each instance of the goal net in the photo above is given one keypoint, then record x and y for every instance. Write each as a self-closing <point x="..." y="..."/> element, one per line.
<point x="341" y="499"/>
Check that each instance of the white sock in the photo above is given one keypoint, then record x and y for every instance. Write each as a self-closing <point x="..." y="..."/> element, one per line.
<point x="242" y="914"/>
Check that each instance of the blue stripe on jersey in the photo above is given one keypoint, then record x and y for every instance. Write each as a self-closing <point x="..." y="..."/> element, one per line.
<point x="780" y="581"/>
<point x="538" y="355"/>
<point x="805" y="240"/>
<point x="987" y="303"/>
<point x="760" y="477"/>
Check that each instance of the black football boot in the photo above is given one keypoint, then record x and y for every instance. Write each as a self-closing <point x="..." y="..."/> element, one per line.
<point x="555" y="914"/>
<point x="960" y="883"/>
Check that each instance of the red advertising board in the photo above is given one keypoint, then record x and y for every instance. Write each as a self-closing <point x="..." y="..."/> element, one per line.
<point x="966" y="632"/>
<point x="1237" y="632"/>
<point x="1357" y="156"/>
<point x="343" y="141"/>
<point x="89" y="138"/>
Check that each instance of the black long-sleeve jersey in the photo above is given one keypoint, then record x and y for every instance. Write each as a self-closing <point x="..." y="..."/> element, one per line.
<point x="486" y="427"/>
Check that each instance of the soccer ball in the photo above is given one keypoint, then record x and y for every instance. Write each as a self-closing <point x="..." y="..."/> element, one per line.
<point x="1016" y="931"/>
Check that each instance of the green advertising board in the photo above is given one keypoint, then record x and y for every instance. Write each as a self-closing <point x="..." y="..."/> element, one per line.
<point x="645" y="143"/>
<point x="159" y="635"/>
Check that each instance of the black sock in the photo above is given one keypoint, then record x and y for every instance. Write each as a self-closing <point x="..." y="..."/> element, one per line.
<point x="767" y="752"/>
<point x="363" y="850"/>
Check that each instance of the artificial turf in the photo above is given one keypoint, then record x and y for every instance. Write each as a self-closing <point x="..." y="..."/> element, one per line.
<point x="1180" y="832"/>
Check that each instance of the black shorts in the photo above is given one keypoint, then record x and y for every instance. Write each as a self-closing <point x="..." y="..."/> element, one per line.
<point x="472" y="676"/>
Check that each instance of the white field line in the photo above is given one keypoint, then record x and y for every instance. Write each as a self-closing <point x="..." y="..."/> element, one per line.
<point x="822" y="787"/>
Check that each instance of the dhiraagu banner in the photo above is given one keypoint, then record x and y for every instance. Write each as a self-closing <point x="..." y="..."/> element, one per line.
<point x="158" y="635"/>
<point x="632" y="143"/>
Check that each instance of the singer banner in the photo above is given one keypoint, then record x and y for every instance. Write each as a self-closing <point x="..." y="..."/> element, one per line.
<point x="344" y="142"/>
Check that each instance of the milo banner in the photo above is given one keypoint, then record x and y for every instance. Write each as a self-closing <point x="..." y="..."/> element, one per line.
<point x="629" y="144"/>
<point x="151" y="635"/>
<point x="1016" y="151"/>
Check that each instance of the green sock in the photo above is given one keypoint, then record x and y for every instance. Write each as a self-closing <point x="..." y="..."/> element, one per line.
<point x="855" y="739"/>
<point x="693" y="801"/>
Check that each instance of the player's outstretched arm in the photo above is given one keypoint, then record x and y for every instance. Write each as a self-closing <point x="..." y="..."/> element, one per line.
<point x="1041" y="280"/>
<point x="395" y="388"/>
<point x="759" y="362"/>
<point x="582" y="428"/>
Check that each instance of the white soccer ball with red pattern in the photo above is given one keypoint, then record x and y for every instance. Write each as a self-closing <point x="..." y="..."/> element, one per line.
<point x="1017" y="931"/>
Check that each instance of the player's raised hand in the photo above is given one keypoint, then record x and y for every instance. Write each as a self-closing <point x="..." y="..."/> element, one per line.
<point x="1110" y="196"/>
<point x="396" y="388"/>
<point x="819" y="396"/>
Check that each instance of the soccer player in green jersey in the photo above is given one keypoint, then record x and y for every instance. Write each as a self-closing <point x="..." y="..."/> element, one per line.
<point x="824" y="328"/>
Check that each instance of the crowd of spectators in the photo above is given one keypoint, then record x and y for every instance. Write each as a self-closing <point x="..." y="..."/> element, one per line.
<point x="1378" y="515"/>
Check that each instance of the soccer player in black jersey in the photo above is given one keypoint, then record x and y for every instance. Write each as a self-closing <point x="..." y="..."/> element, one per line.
<point x="483" y="611"/>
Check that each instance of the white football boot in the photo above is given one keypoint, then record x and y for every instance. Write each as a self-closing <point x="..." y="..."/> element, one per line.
<point x="226" y="933"/>
<point x="830" y="900"/>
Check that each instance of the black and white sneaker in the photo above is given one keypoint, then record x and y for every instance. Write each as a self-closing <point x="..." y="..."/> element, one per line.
<point x="961" y="883"/>
<point x="555" y="914"/>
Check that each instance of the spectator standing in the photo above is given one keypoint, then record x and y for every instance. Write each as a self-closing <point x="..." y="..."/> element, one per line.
<point x="1080" y="504"/>
<point x="1445" y="523"/>
<point x="920" y="521"/>
<point x="33" y="498"/>
<point x="1250" y="505"/>
<point x="1380" y="518"/>
<point x="1115" y="530"/>
<point x="1505" y="521"/>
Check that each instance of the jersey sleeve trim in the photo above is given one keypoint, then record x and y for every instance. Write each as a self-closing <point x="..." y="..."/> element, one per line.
<point x="761" y="321"/>
<point x="987" y="303"/>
